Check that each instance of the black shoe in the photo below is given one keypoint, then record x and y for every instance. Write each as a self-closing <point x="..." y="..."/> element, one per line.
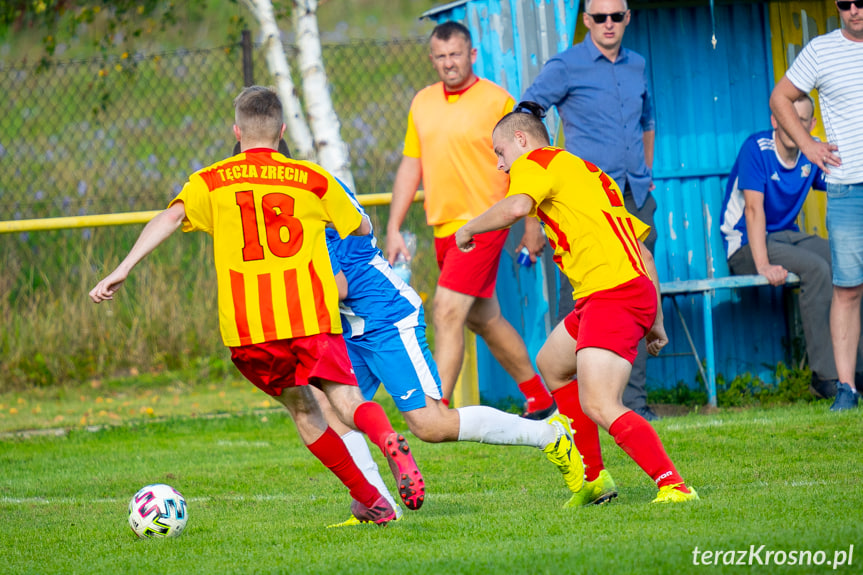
<point x="541" y="414"/>
<point x="647" y="413"/>
<point x="823" y="388"/>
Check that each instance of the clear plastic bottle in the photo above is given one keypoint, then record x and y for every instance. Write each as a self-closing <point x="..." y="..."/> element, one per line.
<point x="402" y="265"/>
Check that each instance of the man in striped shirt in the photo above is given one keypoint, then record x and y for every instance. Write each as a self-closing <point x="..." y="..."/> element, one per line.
<point x="833" y="64"/>
<point x="278" y="299"/>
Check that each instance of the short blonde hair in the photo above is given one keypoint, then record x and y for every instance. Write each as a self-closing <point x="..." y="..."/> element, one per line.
<point x="527" y="118"/>
<point x="258" y="113"/>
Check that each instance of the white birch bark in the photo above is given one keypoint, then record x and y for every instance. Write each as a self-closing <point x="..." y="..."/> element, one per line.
<point x="331" y="149"/>
<point x="302" y="145"/>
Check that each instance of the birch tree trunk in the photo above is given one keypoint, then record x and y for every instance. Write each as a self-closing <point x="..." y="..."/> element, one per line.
<point x="331" y="149"/>
<point x="302" y="145"/>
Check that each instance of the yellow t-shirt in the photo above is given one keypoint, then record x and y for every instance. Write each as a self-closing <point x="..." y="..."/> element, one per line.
<point x="267" y="216"/>
<point x="595" y="239"/>
<point x="451" y="135"/>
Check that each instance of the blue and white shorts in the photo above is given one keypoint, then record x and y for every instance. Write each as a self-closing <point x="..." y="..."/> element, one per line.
<point x="399" y="357"/>
<point x="845" y="231"/>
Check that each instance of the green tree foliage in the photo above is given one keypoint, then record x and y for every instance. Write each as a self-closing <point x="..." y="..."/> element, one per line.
<point x="114" y="26"/>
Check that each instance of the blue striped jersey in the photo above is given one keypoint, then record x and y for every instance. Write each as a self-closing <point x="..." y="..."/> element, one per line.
<point x="377" y="297"/>
<point x="758" y="168"/>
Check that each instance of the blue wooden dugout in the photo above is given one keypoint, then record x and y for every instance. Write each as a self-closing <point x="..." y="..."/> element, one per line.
<point x="707" y="100"/>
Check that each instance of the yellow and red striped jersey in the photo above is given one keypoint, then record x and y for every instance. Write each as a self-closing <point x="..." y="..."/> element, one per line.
<point x="267" y="215"/>
<point x="451" y="135"/>
<point x="595" y="239"/>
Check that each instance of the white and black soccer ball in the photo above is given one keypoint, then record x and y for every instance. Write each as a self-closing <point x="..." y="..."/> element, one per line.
<point x="158" y="511"/>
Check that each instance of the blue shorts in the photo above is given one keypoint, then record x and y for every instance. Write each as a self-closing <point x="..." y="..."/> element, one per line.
<point x="844" y="217"/>
<point x="398" y="357"/>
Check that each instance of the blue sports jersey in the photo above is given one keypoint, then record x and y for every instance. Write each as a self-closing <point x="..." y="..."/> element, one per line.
<point x="377" y="297"/>
<point x="758" y="168"/>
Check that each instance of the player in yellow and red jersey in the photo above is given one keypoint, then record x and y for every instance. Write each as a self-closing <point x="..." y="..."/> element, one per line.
<point x="598" y="245"/>
<point x="278" y="300"/>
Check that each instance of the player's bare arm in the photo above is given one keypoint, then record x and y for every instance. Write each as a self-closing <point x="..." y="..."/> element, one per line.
<point x="656" y="338"/>
<point x="342" y="285"/>
<point x="407" y="182"/>
<point x="154" y="233"/>
<point x="365" y="227"/>
<point x="782" y="105"/>
<point x="501" y="215"/>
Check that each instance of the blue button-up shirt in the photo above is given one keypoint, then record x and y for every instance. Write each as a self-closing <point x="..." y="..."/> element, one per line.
<point x="605" y="107"/>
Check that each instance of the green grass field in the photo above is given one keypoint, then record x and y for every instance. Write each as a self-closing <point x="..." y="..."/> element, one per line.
<point x="788" y="478"/>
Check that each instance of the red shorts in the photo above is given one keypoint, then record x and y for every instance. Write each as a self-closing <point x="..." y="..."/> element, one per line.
<point x="615" y="319"/>
<point x="274" y="365"/>
<point x="475" y="272"/>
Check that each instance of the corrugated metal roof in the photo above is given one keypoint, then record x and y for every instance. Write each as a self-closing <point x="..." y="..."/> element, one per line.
<point x="445" y="9"/>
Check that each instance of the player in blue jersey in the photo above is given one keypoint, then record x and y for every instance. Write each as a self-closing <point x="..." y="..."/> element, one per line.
<point x="766" y="190"/>
<point x="384" y="329"/>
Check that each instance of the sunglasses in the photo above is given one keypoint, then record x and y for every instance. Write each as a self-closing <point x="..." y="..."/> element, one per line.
<point x="846" y="5"/>
<point x="619" y="16"/>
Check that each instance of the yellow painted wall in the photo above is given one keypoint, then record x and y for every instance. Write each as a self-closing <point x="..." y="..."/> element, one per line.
<point x="793" y="24"/>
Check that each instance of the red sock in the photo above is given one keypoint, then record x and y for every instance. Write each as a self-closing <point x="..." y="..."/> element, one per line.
<point x="371" y="419"/>
<point x="536" y="393"/>
<point x="639" y="440"/>
<point x="585" y="431"/>
<point x="331" y="451"/>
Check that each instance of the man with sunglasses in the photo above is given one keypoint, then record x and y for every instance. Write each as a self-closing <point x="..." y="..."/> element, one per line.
<point x="601" y="93"/>
<point x="833" y="64"/>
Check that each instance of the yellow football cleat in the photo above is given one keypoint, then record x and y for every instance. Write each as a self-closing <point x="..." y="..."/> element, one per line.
<point x="668" y="494"/>
<point x="352" y="520"/>
<point x="600" y="490"/>
<point x="564" y="454"/>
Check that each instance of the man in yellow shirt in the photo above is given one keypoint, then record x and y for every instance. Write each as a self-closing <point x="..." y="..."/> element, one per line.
<point x="598" y="246"/>
<point x="278" y="299"/>
<point x="448" y="149"/>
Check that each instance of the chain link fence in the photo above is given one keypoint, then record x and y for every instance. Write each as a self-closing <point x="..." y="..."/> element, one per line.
<point x="96" y="136"/>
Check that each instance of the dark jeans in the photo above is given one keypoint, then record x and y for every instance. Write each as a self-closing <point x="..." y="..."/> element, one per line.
<point x="635" y="394"/>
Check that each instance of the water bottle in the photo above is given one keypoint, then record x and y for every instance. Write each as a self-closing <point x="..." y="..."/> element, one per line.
<point x="524" y="257"/>
<point x="402" y="265"/>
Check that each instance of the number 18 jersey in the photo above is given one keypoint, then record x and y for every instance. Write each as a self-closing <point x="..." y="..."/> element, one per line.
<point x="595" y="239"/>
<point x="267" y="215"/>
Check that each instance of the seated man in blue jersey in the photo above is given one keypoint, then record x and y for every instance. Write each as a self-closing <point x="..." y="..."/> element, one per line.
<point x="384" y="329"/>
<point x="766" y="190"/>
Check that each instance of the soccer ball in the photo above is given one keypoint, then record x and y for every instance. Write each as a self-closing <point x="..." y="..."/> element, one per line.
<point x="158" y="511"/>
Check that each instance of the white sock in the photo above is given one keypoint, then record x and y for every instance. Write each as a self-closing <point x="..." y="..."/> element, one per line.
<point x="485" y="424"/>
<point x="359" y="450"/>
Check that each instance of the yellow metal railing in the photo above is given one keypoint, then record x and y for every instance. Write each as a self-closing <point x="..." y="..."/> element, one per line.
<point x="71" y="222"/>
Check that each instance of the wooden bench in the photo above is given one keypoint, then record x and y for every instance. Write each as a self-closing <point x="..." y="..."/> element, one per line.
<point x="707" y="287"/>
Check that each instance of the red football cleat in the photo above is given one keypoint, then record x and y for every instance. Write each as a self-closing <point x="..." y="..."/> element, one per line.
<point x="408" y="477"/>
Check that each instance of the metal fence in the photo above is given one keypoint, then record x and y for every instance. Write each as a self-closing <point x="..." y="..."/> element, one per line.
<point x="107" y="136"/>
